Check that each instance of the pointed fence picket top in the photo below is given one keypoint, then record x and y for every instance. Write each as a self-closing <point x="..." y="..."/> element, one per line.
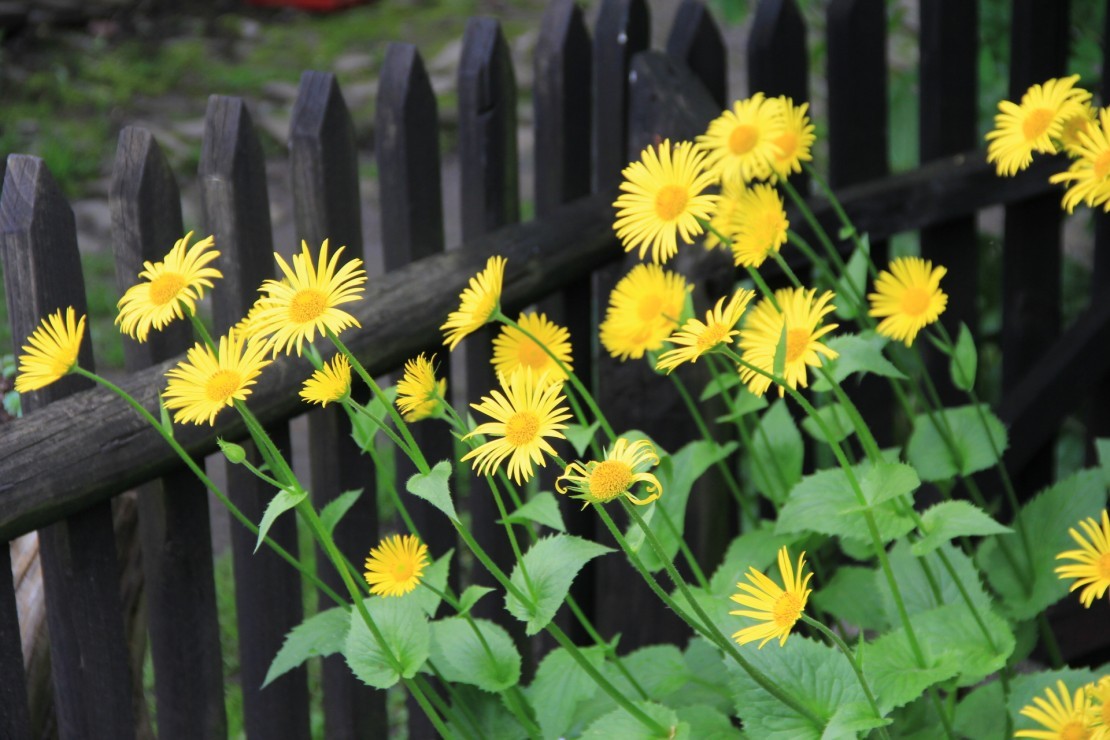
<point x="695" y="39"/>
<point x="89" y="662"/>
<point x="623" y="29"/>
<point x="235" y="205"/>
<point x="324" y="163"/>
<point x="173" y="512"/>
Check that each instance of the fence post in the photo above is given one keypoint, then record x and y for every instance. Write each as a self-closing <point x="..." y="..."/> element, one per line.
<point x="324" y="165"/>
<point x="1098" y="422"/>
<point x="623" y="29"/>
<point x="696" y="41"/>
<point x="235" y="205"/>
<point x="89" y="663"/>
<point x="15" y="720"/>
<point x="173" y="512"/>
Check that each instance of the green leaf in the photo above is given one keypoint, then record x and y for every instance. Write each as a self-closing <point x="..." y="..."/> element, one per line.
<point x="407" y="636"/>
<point x="321" y="634"/>
<point x="964" y="360"/>
<point x="851" y="597"/>
<point x="755" y="548"/>
<point x="1102" y="447"/>
<point x="719" y="384"/>
<point x="707" y="679"/>
<point x="776" y="453"/>
<point x="234" y="453"/>
<point x="950" y="519"/>
<point x="620" y="724"/>
<point x="779" y="365"/>
<point x="888" y="481"/>
<point x="707" y="723"/>
<point x="659" y="669"/>
<point x="926" y="590"/>
<point x="858" y="353"/>
<point x="366" y="426"/>
<point x="471" y="596"/>
<point x="978" y="714"/>
<point x="580" y="436"/>
<point x="279" y="504"/>
<point x="560" y="685"/>
<point x="337" y="508"/>
<point x="743" y="403"/>
<point x="485" y="716"/>
<point x="835" y="419"/>
<point x="1028" y="590"/>
<point x="934" y="461"/>
<point x="435" y="488"/>
<point x="462" y="657"/>
<point x="163" y="412"/>
<point x="541" y="508"/>
<point x="435" y="575"/>
<point x="854" y="280"/>
<point x="552" y="564"/>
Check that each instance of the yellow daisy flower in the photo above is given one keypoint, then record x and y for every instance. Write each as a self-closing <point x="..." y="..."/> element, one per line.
<point x="330" y="383"/>
<point x="512" y="349"/>
<point x="1092" y="561"/>
<point x="477" y="303"/>
<point x="206" y="382"/>
<point x="644" y="308"/>
<point x="740" y="143"/>
<point x="307" y="299"/>
<point x="726" y="219"/>
<point x="662" y="198"/>
<point x="1099" y="694"/>
<point x="395" y="566"/>
<point x="1089" y="174"/>
<point x="1020" y="130"/>
<point x="180" y="278"/>
<point x="801" y="315"/>
<point x="616" y="475"/>
<point x="762" y="226"/>
<point x="1083" y="122"/>
<point x="51" y="351"/>
<point x="419" y="394"/>
<point x="793" y="145"/>
<point x="1063" y="717"/>
<point x="778" y="609"/>
<point x="696" y="338"/>
<point x="908" y="298"/>
<point x="524" y="413"/>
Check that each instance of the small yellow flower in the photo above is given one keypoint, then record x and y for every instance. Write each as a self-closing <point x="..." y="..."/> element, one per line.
<point x="801" y="315"/>
<point x="644" y="308"/>
<point x="1092" y="561"/>
<point x="1089" y="174"/>
<point x="525" y="411"/>
<point x="1063" y="717"/>
<point x="778" y="609"/>
<point x="908" y="298"/>
<point x="1074" y="126"/>
<point x="51" y="351"/>
<point x="662" y="197"/>
<point x="762" y="226"/>
<point x="696" y="338"/>
<point x="206" y="382"/>
<point x="616" y="475"/>
<point x="1035" y="125"/>
<point x="1099" y="694"/>
<point x="330" y="383"/>
<point x="419" y="394"/>
<point x="395" y="566"/>
<point x="477" y="303"/>
<point x="726" y="219"/>
<point x="740" y="143"/>
<point x="179" y="279"/>
<point x="792" y="146"/>
<point x="512" y="349"/>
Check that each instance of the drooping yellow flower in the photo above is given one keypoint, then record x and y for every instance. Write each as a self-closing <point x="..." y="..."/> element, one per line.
<point x="180" y="278"/>
<point x="419" y="394"/>
<point x="1063" y="716"/>
<point x="623" y="467"/>
<point x="477" y="303"/>
<point x="1099" y="694"/>
<point x="1091" y="568"/>
<point x="206" y="382"/>
<point x="801" y="314"/>
<point x="908" y="298"/>
<point x="740" y="143"/>
<point x="777" y="608"/>
<point x="644" y="308"/>
<point x="525" y="411"/>
<point x="726" y="219"/>
<point x="307" y="299"/>
<point x="793" y="145"/>
<point x="51" y="350"/>
<point x="1035" y="125"/>
<point x="330" y="383"/>
<point x="695" y="338"/>
<point x="512" y="349"/>
<point x="762" y="226"/>
<point x="395" y="566"/>
<point x="1089" y="174"/>
<point x="662" y="197"/>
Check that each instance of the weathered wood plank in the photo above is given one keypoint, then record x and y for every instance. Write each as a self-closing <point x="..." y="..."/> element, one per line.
<point x="173" y="512"/>
<point x="696" y="41"/>
<point x="235" y="205"/>
<point x="15" y="719"/>
<point x="42" y="273"/>
<point x="623" y="28"/>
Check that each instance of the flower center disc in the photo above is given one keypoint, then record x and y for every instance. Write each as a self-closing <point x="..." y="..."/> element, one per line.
<point x="787" y="610"/>
<point x="1073" y="731"/>
<point x="670" y="202"/>
<point x="786" y="143"/>
<point x="531" y="355"/>
<point x="649" y="307"/>
<point x="610" y="478"/>
<point x="915" y="301"/>
<point x="1036" y="123"/>
<point x="307" y="305"/>
<point x="402" y="571"/>
<point x="222" y="385"/>
<point x="1104" y="570"/>
<point x="1101" y="167"/>
<point x="797" y="340"/>
<point x="165" y="288"/>
<point x="521" y="428"/>
<point x="62" y="365"/>
<point x="713" y="335"/>
<point x="742" y="139"/>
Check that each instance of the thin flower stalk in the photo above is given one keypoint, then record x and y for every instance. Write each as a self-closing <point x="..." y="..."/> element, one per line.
<point x="841" y="215"/>
<point x="839" y="643"/>
<point x="786" y="270"/>
<point x="760" y="283"/>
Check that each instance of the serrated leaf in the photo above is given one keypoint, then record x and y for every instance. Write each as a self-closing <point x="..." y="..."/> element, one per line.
<point x="755" y="548"/>
<point x="619" y="723"/>
<point x="964" y="361"/>
<point x="777" y="453"/>
<point x="718" y="384"/>
<point x="541" y="508"/>
<point x="835" y="420"/>
<point x="933" y="459"/>
<point x="858" y="353"/>
<point x="851" y="596"/>
<point x="403" y="626"/>
<point x="552" y="564"/>
<point x="366" y="426"/>
<point x="435" y="488"/>
<point x="950" y="519"/>
<point x="924" y="591"/>
<point x="279" y="504"/>
<point x="337" y="508"/>
<point x="708" y="679"/>
<point x="471" y="596"/>
<point x="486" y="716"/>
<point x="435" y="575"/>
<point x="321" y="634"/>
<point x="580" y="436"/>
<point x="854" y="280"/>
<point x="851" y="719"/>
<point x="779" y="364"/>
<point x="888" y="481"/>
<point x="707" y="723"/>
<point x="560" y="685"/>
<point x="490" y="662"/>
<point x="743" y="403"/>
<point x="659" y="669"/>
<point x="978" y="713"/>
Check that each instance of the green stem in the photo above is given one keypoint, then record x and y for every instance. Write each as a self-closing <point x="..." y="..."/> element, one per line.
<point x="777" y="256"/>
<point x="495" y="489"/>
<point x="835" y="640"/>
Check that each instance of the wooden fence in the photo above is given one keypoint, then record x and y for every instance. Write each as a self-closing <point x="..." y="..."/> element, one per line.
<point x="78" y="447"/>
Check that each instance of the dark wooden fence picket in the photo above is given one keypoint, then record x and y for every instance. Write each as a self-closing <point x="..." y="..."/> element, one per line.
<point x="89" y="661"/>
<point x="1098" y="422"/>
<point x="623" y="29"/>
<point x="173" y="512"/>
<point x="15" y="719"/>
<point x="235" y="204"/>
<point x="696" y="41"/>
